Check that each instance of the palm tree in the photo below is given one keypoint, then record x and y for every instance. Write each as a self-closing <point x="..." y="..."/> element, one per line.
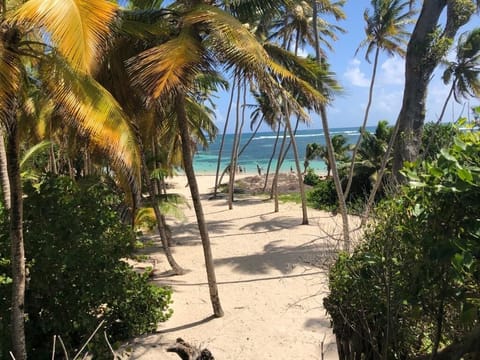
<point x="340" y="149"/>
<point x="371" y="152"/>
<point x="385" y="30"/>
<point x="326" y="131"/>
<point x="464" y="71"/>
<point x="206" y="36"/>
<point x="79" y="38"/>
<point x="425" y="49"/>
<point x="293" y="26"/>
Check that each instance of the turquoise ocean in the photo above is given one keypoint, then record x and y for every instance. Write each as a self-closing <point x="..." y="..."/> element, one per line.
<point x="260" y="149"/>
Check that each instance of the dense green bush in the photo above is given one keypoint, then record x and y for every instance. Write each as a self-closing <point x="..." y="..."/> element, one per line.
<point x="311" y="178"/>
<point x="75" y="248"/>
<point x="435" y="137"/>
<point x="324" y="196"/>
<point x="413" y="286"/>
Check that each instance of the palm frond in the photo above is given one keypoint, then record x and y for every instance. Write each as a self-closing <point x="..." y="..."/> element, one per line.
<point x="250" y="9"/>
<point x="157" y="23"/>
<point x="89" y="108"/>
<point x="169" y="66"/>
<point x="29" y="156"/>
<point x="10" y="77"/>
<point x="79" y="29"/>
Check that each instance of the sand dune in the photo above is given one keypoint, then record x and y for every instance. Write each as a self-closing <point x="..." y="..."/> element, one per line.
<point x="270" y="284"/>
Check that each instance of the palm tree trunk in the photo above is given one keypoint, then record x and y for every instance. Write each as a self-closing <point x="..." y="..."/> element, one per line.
<point x="4" y="172"/>
<point x="328" y="141"/>
<point x="17" y="243"/>
<point x="336" y="179"/>
<point x="267" y="173"/>
<point x="364" y="124"/>
<point x="417" y="78"/>
<point x="299" y="172"/>
<point x="192" y="182"/>
<point x="381" y="172"/>
<point x="235" y="147"/>
<point x="229" y="110"/>
<point x="274" y="190"/>
<point x="161" y="227"/>
<point x="162" y="231"/>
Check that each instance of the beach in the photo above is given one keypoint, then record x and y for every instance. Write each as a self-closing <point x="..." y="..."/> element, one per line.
<point x="271" y="278"/>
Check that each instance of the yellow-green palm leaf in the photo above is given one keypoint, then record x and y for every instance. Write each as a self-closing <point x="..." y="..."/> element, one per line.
<point x="170" y="66"/>
<point x="10" y="77"/>
<point x="79" y="29"/>
<point x="93" y="111"/>
<point x="236" y="46"/>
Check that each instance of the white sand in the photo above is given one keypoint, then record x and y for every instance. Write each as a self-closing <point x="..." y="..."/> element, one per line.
<point x="270" y="286"/>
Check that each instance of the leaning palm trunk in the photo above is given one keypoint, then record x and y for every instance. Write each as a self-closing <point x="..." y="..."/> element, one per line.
<point x="177" y="269"/>
<point x="364" y="124"/>
<point x="234" y="156"/>
<point x="222" y="143"/>
<point x="267" y="173"/>
<point x="4" y="172"/>
<point x="336" y="179"/>
<point x="274" y="190"/>
<point x="17" y="243"/>
<point x="192" y="182"/>
<point x="381" y="172"/>
<point x="328" y="141"/>
<point x="242" y="150"/>
<point x="299" y="171"/>
<point x="160" y="220"/>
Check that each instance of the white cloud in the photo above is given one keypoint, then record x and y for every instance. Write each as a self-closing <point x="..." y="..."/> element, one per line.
<point x="392" y="71"/>
<point x="302" y="53"/>
<point x="386" y="105"/>
<point x="355" y="75"/>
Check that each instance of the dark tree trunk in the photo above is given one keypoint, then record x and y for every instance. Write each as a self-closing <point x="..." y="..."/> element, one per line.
<point x="17" y="243"/>
<point x="192" y="182"/>
<point x="423" y="56"/>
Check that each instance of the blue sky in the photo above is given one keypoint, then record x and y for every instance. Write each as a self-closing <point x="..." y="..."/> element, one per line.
<point x="353" y="72"/>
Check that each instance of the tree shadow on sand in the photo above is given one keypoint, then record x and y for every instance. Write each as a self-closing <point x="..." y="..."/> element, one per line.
<point x="281" y="258"/>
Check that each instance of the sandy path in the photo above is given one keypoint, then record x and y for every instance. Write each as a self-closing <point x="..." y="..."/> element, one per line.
<point x="270" y="289"/>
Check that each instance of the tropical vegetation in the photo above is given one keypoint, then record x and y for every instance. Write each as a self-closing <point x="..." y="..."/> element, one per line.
<point x="101" y="101"/>
<point x="411" y="289"/>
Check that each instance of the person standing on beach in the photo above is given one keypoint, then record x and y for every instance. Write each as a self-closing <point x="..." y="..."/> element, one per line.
<point x="259" y="169"/>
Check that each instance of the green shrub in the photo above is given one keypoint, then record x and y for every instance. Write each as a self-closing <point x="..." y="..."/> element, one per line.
<point x="311" y="178"/>
<point x="324" y="196"/>
<point x="75" y="247"/>
<point x="413" y="285"/>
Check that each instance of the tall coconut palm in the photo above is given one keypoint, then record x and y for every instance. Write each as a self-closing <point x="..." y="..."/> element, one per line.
<point x="464" y="71"/>
<point x="326" y="131"/>
<point x="295" y="30"/>
<point x="207" y="36"/>
<point x="386" y="29"/>
<point x="79" y="38"/>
